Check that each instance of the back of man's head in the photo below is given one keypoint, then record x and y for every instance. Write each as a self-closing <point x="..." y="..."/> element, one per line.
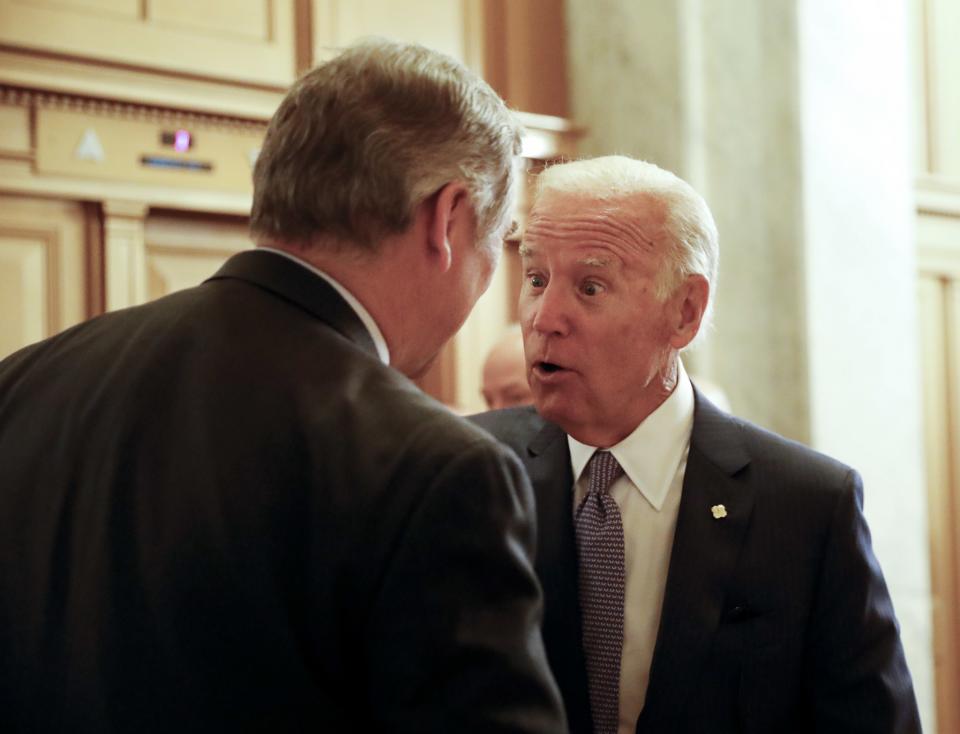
<point x="361" y="140"/>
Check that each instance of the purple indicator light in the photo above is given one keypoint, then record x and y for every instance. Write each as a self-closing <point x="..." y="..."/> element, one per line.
<point x="181" y="141"/>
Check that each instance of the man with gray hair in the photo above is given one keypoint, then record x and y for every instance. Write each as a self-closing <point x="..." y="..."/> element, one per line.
<point x="231" y="510"/>
<point x="700" y="574"/>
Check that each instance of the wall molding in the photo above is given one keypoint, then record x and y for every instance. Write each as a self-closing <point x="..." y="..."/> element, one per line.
<point x="938" y="195"/>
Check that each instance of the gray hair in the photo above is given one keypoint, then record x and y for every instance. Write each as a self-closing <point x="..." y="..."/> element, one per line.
<point x="691" y="238"/>
<point x="361" y="140"/>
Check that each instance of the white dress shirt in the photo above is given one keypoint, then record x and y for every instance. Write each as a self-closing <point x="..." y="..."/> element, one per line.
<point x="654" y="461"/>
<point x="382" y="350"/>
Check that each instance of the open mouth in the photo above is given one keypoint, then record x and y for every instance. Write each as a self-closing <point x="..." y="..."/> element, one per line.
<point x="548" y="368"/>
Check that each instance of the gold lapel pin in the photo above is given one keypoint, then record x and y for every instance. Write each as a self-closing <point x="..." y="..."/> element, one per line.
<point x="719" y="512"/>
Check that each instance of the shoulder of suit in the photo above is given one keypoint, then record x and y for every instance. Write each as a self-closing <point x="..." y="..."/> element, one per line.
<point x="515" y="427"/>
<point x="402" y="409"/>
<point x="780" y="459"/>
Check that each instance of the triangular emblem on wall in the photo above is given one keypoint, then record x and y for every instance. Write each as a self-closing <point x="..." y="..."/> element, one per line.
<point x="90" y="148"/>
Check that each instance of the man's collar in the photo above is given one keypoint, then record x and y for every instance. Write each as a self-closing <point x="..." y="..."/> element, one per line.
<point x="381" y="344"/>
<point x="651" y="453"/>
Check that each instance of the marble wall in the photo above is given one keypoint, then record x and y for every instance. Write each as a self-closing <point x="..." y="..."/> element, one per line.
<point x="861" y="286"/>
<point x="710" y="91"/>
<point x="795" y="125"/>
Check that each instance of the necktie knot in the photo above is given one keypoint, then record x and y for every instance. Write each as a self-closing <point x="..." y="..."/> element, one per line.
<point x="604" y="471"/>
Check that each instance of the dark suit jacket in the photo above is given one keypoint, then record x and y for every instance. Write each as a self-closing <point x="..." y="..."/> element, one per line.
<point x="221" y="512"/>
<point x="776" y="618"/>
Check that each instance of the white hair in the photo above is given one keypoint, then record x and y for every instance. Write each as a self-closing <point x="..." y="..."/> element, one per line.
<point x="690" y="232"/>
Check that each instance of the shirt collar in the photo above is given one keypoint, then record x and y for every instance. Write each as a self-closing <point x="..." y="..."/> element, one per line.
<point x="651" y="454"/>
<point x="381" y="344"/>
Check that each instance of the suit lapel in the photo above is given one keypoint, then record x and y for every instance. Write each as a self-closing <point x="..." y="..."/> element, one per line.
<point x="548" y="464"/>
<point x="295" y="283"/>
<point x="704" y="554"/>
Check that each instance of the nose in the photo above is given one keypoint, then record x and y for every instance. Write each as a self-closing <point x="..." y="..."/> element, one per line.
<point x="549" y="312"/>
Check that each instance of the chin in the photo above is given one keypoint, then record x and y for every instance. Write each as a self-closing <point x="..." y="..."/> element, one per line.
<point x="415" y="372"/>
<point x="554" y="410"/>
<point x="577" y="421"/>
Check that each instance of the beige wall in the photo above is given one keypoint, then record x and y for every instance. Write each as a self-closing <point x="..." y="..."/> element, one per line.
<point x="860" y="265"/>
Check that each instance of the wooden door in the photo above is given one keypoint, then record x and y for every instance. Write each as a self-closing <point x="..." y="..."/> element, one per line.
<point x="939" y="292"/>
<point x="47" y="268"/>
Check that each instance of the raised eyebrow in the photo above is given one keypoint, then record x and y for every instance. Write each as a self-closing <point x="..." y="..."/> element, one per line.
<point x="526" y="250"/>
<point x="595" y="262"/>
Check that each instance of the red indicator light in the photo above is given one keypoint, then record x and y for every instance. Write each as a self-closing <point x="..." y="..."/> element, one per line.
<point x="182" y="140"/>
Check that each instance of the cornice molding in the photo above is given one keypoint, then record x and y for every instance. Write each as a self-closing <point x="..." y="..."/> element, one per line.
<point x="72" y="77"/>
<point x="939" y="195"/>
<point x="123" y="110"/>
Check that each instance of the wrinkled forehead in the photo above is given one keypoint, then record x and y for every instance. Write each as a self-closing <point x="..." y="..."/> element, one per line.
<point x="632" y="222"/>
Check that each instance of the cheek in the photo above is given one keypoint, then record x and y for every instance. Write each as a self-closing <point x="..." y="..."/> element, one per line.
<point x="492" y="259"/>
<point x="483" y="275"/>
<point x="525" y="314"/>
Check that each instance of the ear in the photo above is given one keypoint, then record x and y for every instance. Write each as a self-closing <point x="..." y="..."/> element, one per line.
<point x="691" y="299"/>
<point x="443" y="212"/>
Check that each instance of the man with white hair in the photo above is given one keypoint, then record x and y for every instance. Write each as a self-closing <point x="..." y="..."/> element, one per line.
<point x="700" y="574"/>
<point x="230" y="510"/>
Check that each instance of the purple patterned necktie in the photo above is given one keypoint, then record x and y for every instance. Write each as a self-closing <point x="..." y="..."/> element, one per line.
<point x="600" y="547"/>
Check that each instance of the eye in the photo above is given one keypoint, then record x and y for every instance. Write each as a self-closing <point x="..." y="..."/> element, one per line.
<point x="591" y="288"/>
<point x="536" y="280"/>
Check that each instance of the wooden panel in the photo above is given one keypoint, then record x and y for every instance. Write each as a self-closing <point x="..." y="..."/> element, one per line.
<point x="939" y="316"/>
<point x="173" y="270"/>
<point x="245" y="18"/>
<point x="14" y="129"/>
<point x="25" y="292"/>
<point x="920" y="63"/>
<point x="255" y="44"/>
<point x="62" y="75"/>
<point x="184" y="250"/>
<point x="943" y="103"/>
<point x="525" y="54"/>
<point x="948" y="709"/>
<point x="123" y="134"/>
<point x="124" y="254"/>
<point x="939" y="313"/>
<point x="939" y="238"/>
<point x="42" y="269"/>
<point x="114" y="145"/>
<point x="519" y="47"/>
<point x="439" y="24"/>
<point x="123" y="8"/>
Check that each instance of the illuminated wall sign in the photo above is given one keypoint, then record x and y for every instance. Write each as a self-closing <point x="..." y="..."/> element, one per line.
<point x="159" y="161"/>
<point x="180" y="140"/>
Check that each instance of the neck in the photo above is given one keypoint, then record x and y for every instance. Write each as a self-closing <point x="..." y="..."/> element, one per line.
<point x="613" y="429"/>
<point x="376" y="279"/>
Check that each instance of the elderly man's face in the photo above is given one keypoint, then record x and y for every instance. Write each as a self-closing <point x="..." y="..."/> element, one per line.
<point x="598" y="341"/>
<point x="505" y="374"/>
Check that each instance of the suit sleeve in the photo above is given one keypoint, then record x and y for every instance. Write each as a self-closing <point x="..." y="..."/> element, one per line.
<point x="455" y="643"/>
<point x="857" y="670"/>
